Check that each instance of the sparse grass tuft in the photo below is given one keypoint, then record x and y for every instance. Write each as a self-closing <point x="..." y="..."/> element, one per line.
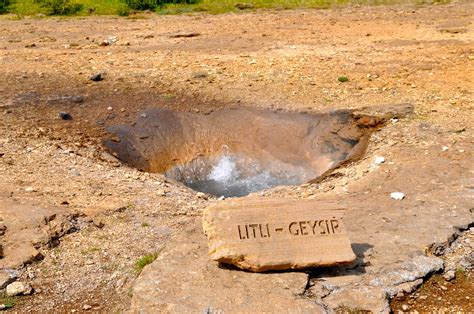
<point x="343" y="79"/>
<point x="90" y="250"/>
<point x="145" y="260"/>
<point x="6" y="300"/>
<point x="460" y="272"/>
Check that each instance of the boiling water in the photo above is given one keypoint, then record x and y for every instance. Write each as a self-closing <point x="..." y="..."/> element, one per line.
<point x="230" y="176"/>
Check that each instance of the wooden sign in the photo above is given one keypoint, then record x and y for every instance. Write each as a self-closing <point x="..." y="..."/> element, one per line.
<point x="262" y="234"/>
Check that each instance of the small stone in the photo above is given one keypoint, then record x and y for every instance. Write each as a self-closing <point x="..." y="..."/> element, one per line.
<point x="449" y="275"/>
<point x="109" y="41"/>
<point x="97" y="77"/>
<point x="3" y="229"/>
<point x="86" y="307"/>
<point x="18" y="288"/>
<point x="445" y="148"/>
<point x="143" y="115"/>
<point x="397" y="195"/>
<point x="30" y="189"/>
<point x="379" y="160"/>
<point x="405" y="307"/>
<point x="201" y="195"/>
<point x="98" y="223"/>
<point x="65" y="116"/>
<point x="109" y="108"/>
<point x="423" y="297"/>
<point x="444" y="288"/>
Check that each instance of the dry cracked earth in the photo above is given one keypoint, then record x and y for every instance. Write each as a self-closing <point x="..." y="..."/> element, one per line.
<point x="75" y="220"/>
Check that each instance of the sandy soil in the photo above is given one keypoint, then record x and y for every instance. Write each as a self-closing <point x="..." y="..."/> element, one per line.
<point x="422" y="55"/>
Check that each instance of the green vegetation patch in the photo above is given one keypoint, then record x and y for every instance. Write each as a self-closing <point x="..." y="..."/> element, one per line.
<point x="145" y="260"/>
<point x="125" y="7"/>
<point x="3" y="6"/>
<point x="343" y="79"/>
<point x="6" y="300"/>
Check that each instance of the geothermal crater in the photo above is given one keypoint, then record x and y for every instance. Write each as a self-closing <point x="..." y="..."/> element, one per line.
<point x="234" y="152"/>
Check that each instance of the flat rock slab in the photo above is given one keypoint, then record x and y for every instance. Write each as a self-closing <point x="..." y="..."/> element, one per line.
<point x="29" y="226"/>
<point x="181" y="280"/>
<point x="260" y="235"/>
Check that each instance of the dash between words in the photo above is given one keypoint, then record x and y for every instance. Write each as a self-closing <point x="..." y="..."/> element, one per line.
<point x="294" y="228"/>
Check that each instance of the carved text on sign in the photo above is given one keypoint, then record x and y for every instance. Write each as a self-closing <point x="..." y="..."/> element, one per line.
<point x="295" y="228"/>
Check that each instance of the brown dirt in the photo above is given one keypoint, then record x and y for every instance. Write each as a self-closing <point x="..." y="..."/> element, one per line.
<point x="290" y="60"/>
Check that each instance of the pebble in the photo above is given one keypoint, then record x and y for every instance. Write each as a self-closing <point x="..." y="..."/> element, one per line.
<point x="30" y="189"/>
<point x="109" y="41"/>
<point x="65" y="116"/>
<point x="405" y="307"/>
<point x="110" y="108"/>
<point x="201" y="195"/>
<point x="86" y="307"/>
<point x="445" y="148"/>
<point x="449" y="275"/>
<point x="397" y="195"/>
<point x="379" y="160"/>
<point x="97" y="77"/>
<point x="444" y="288"/>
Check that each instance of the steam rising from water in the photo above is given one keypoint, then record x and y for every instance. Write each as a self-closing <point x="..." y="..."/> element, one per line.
<point x="230" y="176"/>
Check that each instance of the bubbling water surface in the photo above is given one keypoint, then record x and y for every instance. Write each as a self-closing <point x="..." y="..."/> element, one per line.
<point x="230" y="176"/>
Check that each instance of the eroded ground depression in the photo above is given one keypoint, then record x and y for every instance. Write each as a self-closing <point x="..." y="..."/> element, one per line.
<point x="233" y="152"/>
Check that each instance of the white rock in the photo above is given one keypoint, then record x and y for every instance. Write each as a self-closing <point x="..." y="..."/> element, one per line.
<point x="18" y="288"/>
<point x="109" y="108"/>
<point x="397" y="195"/>
<point x="404" y="307"/>
<point x="201" y="195"/>
<point x="449" y="275"/>
<point x="445" y="148"/>
<point x="379" y="160"/>
<point x="30" y="189"/>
